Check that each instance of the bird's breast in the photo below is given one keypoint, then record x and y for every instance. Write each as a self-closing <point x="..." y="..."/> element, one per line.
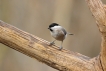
<point x="58" y="35"/>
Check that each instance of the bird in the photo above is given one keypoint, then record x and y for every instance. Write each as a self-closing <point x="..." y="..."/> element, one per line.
<point x="58" y="33"/>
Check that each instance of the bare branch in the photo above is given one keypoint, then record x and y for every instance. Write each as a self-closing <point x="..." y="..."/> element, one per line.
<point x="39" y="49"/>
<point x="97" y="9"/>
<point x="99" y="12"/>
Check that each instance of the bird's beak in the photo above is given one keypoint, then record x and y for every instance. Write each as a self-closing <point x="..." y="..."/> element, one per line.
<point x="48" y="28"/>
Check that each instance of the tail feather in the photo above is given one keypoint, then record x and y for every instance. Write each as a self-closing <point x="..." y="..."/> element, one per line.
<point x="70" y="34"/>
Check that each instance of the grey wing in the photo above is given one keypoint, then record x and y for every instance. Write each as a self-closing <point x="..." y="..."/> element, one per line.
<point x="64" y="31"/>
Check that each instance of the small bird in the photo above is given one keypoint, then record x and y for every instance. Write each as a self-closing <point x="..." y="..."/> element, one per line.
<point x="58" y="32"/>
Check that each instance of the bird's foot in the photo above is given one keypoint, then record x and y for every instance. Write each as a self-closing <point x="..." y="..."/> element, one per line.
<point x="51" y="43"/>
<point x="60" y="48"/>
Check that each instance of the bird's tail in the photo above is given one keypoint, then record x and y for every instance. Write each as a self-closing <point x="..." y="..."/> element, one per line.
<point x="70" y="34"/>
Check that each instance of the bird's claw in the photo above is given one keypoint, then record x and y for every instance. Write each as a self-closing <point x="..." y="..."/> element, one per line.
<point x="51" y="43"/>
<point x="60" y="48"/>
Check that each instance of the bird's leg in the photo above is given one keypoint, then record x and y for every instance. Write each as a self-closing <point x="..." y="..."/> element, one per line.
<point x="61" y="46"/>
<point x="51" y="43"/>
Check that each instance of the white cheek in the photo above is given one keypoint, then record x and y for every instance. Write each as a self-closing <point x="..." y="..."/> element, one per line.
<point x="54" y="34"/>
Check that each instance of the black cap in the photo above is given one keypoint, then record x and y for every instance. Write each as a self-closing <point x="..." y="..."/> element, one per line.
<point x="52" y="25"/>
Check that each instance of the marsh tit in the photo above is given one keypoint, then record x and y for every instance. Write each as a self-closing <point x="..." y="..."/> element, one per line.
<point x="58" y="32"/>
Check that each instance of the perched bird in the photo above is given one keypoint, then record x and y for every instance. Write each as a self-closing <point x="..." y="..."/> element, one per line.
<point x="58" y="32"/>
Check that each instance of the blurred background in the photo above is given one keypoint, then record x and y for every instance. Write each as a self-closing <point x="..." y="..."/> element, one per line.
<point x="34" y="16"/>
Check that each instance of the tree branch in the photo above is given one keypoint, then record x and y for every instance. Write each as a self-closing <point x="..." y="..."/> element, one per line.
<point x="99" y="12"/>
<point x="39" y="49"/>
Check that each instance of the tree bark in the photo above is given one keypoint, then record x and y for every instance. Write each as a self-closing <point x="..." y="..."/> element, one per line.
<point x="39" y="49"/>
<point x="63" y="60"/>
<point x="98" y="10"/>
